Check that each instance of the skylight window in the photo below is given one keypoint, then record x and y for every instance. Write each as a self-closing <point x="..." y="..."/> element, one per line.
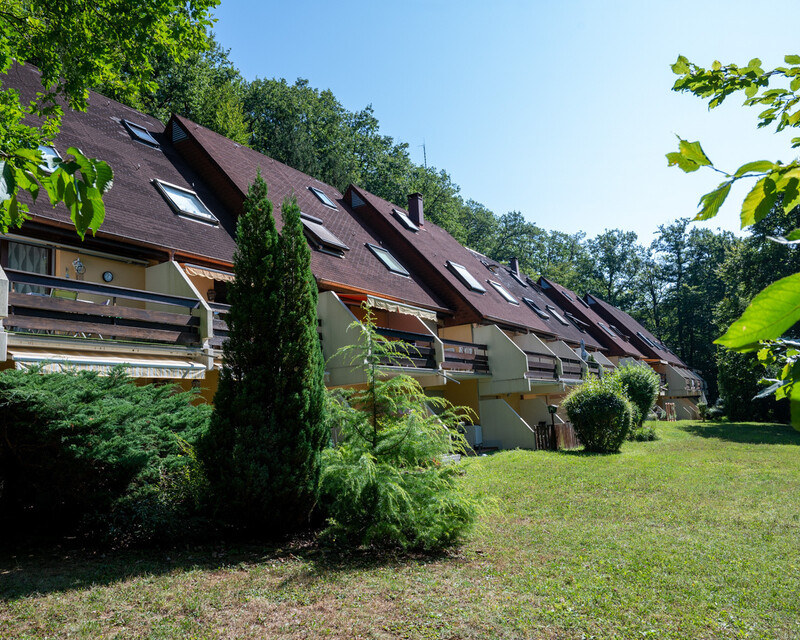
<point x="567" y="296"/>
<point x="50" y="158"/>
<point x="388" y="260"/>
<point x="466" y="277"/>
<point x="324" y="199"/>
<point x="617" y="331"/>
<point x="321" y="238"/>
<point x="647" y="340"/>
<point x="503" y="292"/>
<point x="402" y="216"/>
<point x="536" y="309"/>
<point x="518" y="279"/>
<point x="557" y="315"/>
<point x="140" y="134"/>
<point x="185" y="202"/>
<point x="583" y="302"/>
<point x="607" y="330"/>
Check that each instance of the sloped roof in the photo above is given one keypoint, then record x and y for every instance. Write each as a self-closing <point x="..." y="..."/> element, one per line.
<point x="568" y="299"/>
<point x="135" y="209"/>
<point x="230" y="168"/>
<point x="632" y="328"/>
<point x="431" y="248"/>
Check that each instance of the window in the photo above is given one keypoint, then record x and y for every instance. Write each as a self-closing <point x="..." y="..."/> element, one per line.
<point x="321" y="237"/>
<point x="503" y="292"/>
<point x="567" y="296"/>
<point x="617" y="331"/>
<point x="517" y="278"/>
<point x="577" y="322"/>
<point x="388" y="260"/>
<point x="583" y="302"/>
<point x="607" y="330"/>
<point x="50" y="158"/>
<point x="557" y="315"/>
<point x="140" y="134"/>
<point x="323" y="198"/>
<point x="185" y="202"/>
<point x="647" y="340"/>
<point x="31" y="259"/>
<point x="466" y="277"/>
<point x="536" y="309"/>
<point x="402" y="216"/>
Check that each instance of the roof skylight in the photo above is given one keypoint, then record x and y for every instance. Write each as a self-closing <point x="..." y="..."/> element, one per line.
<point x="503" y="292"/>
<point x="185" y="202"/>
<point x="324" y="199"/>
<point x="518" y="279"/>
<point x="583" y="302"/>
<point x="466" y="277"/>
<point x="50" y="158"/>
<point x="388" y="260"/>
<point x="402" y="216"/>
<point x="607" y="330"/>
<point x="557" y="315"/>
<point x="536" y="309"/>
<point x="140" y="134"/>
<point x="321" y="237"/>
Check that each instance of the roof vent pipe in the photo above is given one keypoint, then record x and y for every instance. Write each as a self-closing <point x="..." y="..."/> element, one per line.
<point x="514" y="264"/>
<point x="415" y="209"/>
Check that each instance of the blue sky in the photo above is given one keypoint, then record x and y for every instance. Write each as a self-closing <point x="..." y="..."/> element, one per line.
<point x="560" y="110"/>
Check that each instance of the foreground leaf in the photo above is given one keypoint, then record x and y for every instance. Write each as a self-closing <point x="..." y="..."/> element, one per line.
<point x="772" y="312"/>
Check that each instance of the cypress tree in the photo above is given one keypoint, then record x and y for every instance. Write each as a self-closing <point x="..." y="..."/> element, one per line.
<point x="262" y="449"/>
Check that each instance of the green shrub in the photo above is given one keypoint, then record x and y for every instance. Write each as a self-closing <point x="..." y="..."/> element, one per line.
<point x="643" y="434"/>
<point x="98" y="455"/>
<point x="716" y="413"/>
<point x="600" y="414"/>
<point x="386" y="481"/>
<point x="641" y="385"/>
<point x="702" y="410"/>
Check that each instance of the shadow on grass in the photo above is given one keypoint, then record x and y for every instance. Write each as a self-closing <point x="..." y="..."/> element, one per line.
<point x="41" y="571"/>
<point x="745" y="432"/>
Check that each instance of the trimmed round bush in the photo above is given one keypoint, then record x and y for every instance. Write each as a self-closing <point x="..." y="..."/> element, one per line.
<point x="641" y="385"/>
<point x="600" y="414"/>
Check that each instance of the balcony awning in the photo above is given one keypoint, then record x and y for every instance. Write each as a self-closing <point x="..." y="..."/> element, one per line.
<point x="391" y="306"/>
<point x="211" y="274"/>
<point x="136" y="367"/>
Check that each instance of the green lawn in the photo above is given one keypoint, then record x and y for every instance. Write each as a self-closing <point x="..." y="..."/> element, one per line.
<point x="696" y="535"/>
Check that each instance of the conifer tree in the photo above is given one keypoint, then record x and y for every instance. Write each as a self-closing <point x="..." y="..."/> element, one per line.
<point x="265" y="438"/>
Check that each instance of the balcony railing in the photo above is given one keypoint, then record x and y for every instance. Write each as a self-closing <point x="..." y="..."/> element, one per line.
<point x="541" y="366"/>
<point x="220" y="324"/>
<point x="594" y="369"/>
<point x="52" y="307"/>
<point x="416" y="348"/>
<point x="571" y="369"/>
<point x="465" y="356"/>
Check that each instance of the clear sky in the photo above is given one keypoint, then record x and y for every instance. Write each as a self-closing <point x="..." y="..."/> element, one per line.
<point x="560" y="110"/>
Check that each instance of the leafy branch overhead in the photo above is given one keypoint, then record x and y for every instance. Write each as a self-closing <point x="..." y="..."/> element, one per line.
<point x="776" y="309"/>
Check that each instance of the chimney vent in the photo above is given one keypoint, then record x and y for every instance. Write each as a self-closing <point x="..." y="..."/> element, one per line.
<point x="415" y="209"/>
<point x="515" y="267"/>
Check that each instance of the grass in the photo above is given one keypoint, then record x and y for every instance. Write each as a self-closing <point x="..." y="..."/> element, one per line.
<point x="696" y="535"/>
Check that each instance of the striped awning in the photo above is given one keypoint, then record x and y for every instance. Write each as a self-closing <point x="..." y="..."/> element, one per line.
<point x="138" y="367"/>
<point x="211" y="274"/>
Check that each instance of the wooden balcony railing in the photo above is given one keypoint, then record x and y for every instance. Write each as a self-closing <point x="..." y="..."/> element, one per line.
<point x="465" y="356"/>
<point x="220" y="324"/>
<point x="594" y="369"/>
<point x="571" y="369"/>
<point x="541" y="366"/>
<point x="417" y="348"/>
<point x="53" y="308"/>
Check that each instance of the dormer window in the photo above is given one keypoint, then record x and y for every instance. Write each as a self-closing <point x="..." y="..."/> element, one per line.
<point x="557" y="315"/>
<point x="388" y="260"/>
<point x="140" y="134"/>
<point x="185" y="202"/>
<point x="466" y="277"/>
<point x="402" y="216"/>
<point x="324" y="199"/>
<point x="50" y="158"/>
<point x="504" y="292"/>
<point x="535" y="308"/>
<point x="321" y="238"/>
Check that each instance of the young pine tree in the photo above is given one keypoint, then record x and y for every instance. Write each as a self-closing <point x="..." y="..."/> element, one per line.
<point x="266" y="435"/>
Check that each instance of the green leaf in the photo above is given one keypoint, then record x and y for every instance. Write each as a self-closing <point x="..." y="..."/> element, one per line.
<point x="105" y="176"/>
<point x="791" y="59"/>
<point x="681" y="66"/>
<point x="758" y="166"/>
<point x="694" y="152"/>
<point x="772" y="312"/>
<point x="675" y="158"/>
<point x="711" y="202"/>
<point x="85" y="164"/>
<point x="751" y="90"/>
<point x="759" y="201"/>
<point x="716" y="65"/>
<point x="794" y="404"/>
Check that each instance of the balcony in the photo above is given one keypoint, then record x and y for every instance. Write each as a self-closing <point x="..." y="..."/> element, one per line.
<point x="541" y="366"/>
<point x="571" y="369"/>
<point x="416" y="349"/>
<point x="465" y="357"/>
<point x="594" y="369"/>
<point x="220" y="324"/>
<point x="68" y="308"/>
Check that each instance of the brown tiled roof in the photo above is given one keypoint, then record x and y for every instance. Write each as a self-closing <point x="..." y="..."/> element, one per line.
<point x="135" y="209"/>
<point x="430" y="249"/>
<point x="230" y="168"/>
<point x="631" y="327"/>
<point x="575" y="305"/>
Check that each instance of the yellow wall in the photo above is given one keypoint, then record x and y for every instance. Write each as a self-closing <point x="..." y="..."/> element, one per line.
<point x="461" y="332"/>
<point x="127" y="275"/>
<point x="461" y="395"/>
